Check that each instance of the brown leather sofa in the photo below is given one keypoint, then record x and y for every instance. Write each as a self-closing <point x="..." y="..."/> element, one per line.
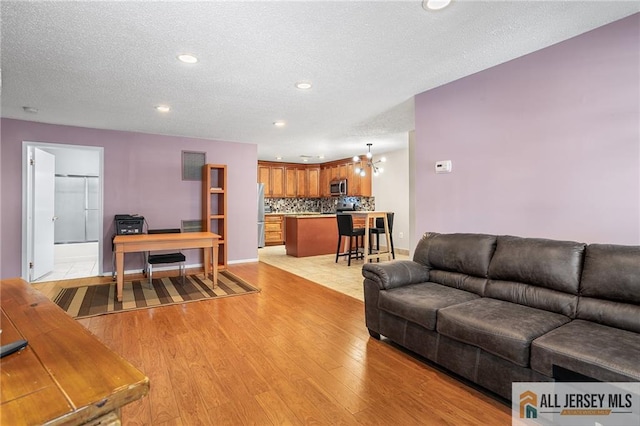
<point x="503" y="309"/>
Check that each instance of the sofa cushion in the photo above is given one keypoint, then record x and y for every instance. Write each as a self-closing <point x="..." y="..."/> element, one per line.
<point x="594" y="350"/>
<point x="610" y="286"/>
<point x="612" y="272"/>
<point x="607" y="312"/>
<point x="536" y="272"/>
<point x="533" y="296"/>
<point x="419" y="303"/>
<point x="502" y="328"/>
<point x="465" y="253"/>
<point x="546" y="263"/>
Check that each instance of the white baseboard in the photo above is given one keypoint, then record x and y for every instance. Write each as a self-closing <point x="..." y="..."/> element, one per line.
<point x="233" y="262"/>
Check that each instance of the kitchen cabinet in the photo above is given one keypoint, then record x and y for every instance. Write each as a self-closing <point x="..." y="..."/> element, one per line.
<point x="357" y="186"/>
<point x="361" y="184"/>
<point x="301" y="182"/>
<point x="290" y="182"/>
<point x="313" y="182"/>
<point x="324" y="182"/>
<point x="214" y="206"/>
<point x="353" y="183"/>
<point x="274" y="229"/>
<point x="273" y="177"/>
<point x="333" y="173"/>
<point x="308" y="182"/>
<point x="311" y="235"/>
<point x="342" y="171"/>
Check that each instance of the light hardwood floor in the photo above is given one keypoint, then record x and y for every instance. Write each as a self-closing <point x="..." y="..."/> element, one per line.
<point x="296" y="353"/>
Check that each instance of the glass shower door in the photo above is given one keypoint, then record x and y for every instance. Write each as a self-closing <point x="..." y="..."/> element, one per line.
<point x="76" y="209"/>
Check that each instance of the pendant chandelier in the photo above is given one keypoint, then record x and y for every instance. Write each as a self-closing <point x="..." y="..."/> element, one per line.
<point x="375" y="168"/>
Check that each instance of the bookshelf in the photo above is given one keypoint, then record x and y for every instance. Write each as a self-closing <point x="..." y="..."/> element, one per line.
<point x="214" y="206"/>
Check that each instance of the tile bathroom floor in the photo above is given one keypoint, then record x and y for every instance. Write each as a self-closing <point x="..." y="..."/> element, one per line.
<point x="71" y="261"/>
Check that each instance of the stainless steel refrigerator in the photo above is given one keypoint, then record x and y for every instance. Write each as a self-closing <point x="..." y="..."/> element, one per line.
<point x="260" y="215"/>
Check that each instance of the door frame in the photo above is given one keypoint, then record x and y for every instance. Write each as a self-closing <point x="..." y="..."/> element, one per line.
<point x="27" y="231"/>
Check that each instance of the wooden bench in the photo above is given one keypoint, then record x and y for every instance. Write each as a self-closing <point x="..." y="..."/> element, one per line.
<point x="64" y="375"/>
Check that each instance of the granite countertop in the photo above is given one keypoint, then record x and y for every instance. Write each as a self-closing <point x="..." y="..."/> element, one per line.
<point x="295" y="214"/>
<point x="311" y="216"/>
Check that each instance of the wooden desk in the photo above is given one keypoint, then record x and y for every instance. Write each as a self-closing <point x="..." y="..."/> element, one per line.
<point x="370" y="217"/>
<point x="65" y="375"/>
<point x="150" y="242"/>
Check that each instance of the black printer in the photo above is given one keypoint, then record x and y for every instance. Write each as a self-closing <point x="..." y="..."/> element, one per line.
<point x="126" y="224"/>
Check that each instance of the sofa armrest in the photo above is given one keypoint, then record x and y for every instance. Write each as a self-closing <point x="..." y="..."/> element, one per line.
<point x="396" y="273"/>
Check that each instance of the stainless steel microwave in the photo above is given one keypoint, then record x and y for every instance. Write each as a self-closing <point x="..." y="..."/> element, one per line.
<point x="338" y="187"/>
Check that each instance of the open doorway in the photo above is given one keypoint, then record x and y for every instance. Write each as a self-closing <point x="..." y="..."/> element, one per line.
<point x="62" y="211"/>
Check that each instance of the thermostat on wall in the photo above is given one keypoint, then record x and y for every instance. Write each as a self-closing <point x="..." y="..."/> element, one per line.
<point x="443" y="166"/>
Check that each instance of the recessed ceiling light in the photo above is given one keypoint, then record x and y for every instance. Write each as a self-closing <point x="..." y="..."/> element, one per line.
<point x="187" y="59"/>
<point x="303" y="85"/>
<point x="435" y="4"/>
<point x="278" y="158"/>
<point x="163" y="108"/>
<point x="279" y="123"/>
<point x="321" y="156"/>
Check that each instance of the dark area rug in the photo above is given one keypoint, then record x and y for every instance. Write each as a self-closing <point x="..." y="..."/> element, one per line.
<point x="88" y="301"/>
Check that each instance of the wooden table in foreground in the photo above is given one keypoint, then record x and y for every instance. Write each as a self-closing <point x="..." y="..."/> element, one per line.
<point x="150" y="242"/>
<point x="65" y="376"/>
<point x="370" y="217"/>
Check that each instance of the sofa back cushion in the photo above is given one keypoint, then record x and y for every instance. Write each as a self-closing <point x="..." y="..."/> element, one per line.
<point x="457" y="260"/>
<point x="536" y="272"/>
<point x="610" y="286"/>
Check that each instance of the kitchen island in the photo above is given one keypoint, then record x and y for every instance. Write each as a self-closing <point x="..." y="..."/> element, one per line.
<point x="311" y="234"/>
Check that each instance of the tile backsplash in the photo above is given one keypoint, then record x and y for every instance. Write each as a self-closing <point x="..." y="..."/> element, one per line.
<point x="323" y="205"/>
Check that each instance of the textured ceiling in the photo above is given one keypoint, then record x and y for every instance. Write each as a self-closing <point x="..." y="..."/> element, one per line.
<point x="107" y="64"/>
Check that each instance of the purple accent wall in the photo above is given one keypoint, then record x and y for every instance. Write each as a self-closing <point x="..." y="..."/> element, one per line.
<point x="142" y="174"/>
<point x="546" y="145"/>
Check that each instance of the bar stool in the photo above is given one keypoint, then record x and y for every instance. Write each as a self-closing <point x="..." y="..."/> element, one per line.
<point x="345" y="229"/>
<point x="379" y="230"/>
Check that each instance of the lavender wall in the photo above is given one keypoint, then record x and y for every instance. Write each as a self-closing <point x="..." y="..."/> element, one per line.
<point x="142" y="174"/>
<point x="547" y="145"/>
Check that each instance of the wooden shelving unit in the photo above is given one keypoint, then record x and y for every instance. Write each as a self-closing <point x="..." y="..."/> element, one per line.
<point x="214" y="206"/>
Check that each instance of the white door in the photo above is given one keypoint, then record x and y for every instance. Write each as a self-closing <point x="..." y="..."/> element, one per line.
<point x="43" y="213"/>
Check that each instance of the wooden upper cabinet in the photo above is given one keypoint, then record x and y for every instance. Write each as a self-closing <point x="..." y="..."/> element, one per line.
<point x="301" y="182"/>
<point x="264" y="176"/>
<point x="353" y="181"/>
<point x="365" y="185"/>
<point x="313" y="182"/>
<point x="342" y="171"/>
<point x="310" y="181"/>
<point x="333" y="173"/>
<point x="324" y="181"/>
<point x="277" y="181"/>
<point x="290" y="182"/>
<point x="273" y="178"/>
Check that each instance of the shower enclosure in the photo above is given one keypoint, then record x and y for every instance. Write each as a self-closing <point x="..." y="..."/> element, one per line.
<point x="76" y="209"/>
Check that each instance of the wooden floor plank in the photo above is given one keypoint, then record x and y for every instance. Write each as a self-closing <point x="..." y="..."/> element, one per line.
<point x="296" y="353"/>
